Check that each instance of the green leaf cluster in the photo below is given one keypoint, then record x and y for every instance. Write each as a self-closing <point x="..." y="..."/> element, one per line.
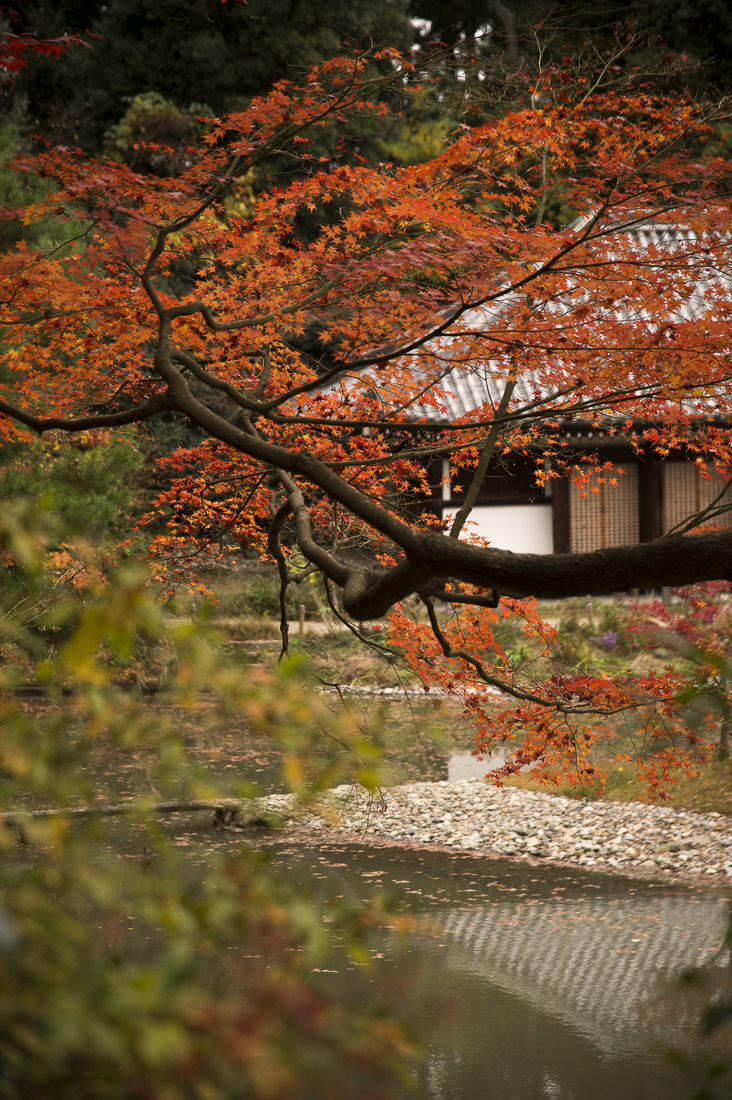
<point x="91" y="485"/>
<point x="134" y="961"/>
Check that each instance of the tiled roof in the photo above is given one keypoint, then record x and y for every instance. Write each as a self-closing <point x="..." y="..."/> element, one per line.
<point x="474" y="381"/>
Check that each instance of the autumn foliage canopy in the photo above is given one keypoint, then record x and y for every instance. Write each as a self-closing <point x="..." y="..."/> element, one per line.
<point x="306" y="333"/>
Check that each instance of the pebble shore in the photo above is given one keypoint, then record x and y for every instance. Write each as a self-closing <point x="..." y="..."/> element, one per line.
<point x="470" y="815"/>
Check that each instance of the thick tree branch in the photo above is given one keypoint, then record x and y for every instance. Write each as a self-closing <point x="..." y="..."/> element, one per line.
<point x="40" y="424"/>
<point x="507" y="19"/>
<point x="667" y="561"/>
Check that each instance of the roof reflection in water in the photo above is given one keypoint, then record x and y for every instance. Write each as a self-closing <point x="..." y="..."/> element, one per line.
<point x="595" y="964"/>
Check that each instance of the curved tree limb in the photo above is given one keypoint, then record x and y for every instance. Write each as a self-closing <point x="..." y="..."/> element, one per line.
<point x="40" y="424"/>
<point x="673" y="560"/>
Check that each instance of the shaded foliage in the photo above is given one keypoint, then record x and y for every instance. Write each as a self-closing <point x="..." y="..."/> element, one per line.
<point x="200" y="51"/>
<point x="133" y="963"/>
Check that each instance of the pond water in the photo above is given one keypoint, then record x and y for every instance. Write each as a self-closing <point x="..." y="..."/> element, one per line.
<point x="533" y="982"/>
<point x="463" y="765"/>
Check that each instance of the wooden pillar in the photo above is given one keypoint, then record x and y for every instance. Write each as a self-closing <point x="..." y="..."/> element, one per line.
<point x="560" y="515"/>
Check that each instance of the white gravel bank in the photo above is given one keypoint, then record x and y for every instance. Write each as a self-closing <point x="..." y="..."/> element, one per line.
<point x="470" y="815"/>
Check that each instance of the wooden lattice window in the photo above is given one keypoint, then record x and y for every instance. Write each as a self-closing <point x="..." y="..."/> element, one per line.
<point x="608" y="517"/>
<point x="686" y="491"/>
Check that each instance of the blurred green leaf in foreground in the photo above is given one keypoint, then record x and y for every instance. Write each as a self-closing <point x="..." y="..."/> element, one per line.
<point x="132" y="966"/>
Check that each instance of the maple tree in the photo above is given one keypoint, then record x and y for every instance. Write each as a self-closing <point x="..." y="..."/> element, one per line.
<point x="308" y="334"/>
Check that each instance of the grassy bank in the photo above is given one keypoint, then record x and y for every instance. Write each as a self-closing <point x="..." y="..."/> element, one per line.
<point x="709" y="790"/>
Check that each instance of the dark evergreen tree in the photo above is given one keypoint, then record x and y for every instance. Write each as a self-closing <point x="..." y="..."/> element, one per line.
<point x="199" y="52"/>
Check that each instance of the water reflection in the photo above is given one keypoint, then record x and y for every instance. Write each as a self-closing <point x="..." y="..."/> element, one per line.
<point x="590" y="962"/>
<point x="463" y="765"/>
<point x="545" y="983"/>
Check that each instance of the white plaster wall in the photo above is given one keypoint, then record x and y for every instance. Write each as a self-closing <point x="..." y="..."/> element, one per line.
<point x="523" y="528"/>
